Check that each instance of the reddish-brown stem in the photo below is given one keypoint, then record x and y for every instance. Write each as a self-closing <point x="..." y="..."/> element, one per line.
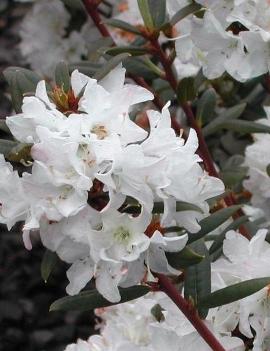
<point x="190" y="312"/>
<point x="165" y="61"/>
<point x="140" y="81"/>
<point x="203" y="148"/>
<point x="157" y="101"/>
<point x="91" y="8"/>
<point x="165" y="284"/>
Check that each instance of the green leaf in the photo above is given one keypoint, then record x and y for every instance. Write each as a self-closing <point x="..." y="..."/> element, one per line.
<point x="138" y="67"/>
<point x="233" y="292"/>
<point x="186" y="90"/>
<point x="110" y="65"/>
<point x="153" y="13"/>
<point x="132" y="50"/>
<point x="218" y="242"/>
<point x="268" y="170"/>
<point x="62" y="77"/>
<point x="146" y="13"/>
<point x="158" y="12"/>
<point x="206" y="106"/>
<point x="198" y="278"/>
<point x="245" y="127"/>
<point x="91" y="299"/>
<point x="184" y="12"/>
<point x="159" y="207"/>
<point x="86" y="67"/>
<point x="21" y="81"/>
<point x="230" y="114"/>
<point x="47" y="265"/>
<point x="123" y="25"/>
<point x="185" y="258"/>
<point x="76" y="4"/>
<point x="233" y="172"/>
<point x="213" y="221"/>
<point x="3" y="126"/>
<point x="98" y="47"/>
<point x="6" y="146"/>
<point x="153" y="68"/>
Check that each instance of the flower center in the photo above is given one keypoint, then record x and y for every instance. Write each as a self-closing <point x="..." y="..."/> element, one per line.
<point x="66" y="102"/>
<point x="100" y="131"/>
<point x="121" y="234"/>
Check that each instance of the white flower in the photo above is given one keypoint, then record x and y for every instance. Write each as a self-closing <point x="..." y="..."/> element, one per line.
<point x="121" y="238"/>
<point x="36" y="111"/>
<point x="133" y="326"/>
<point x="244" y="260"/>
<point x="13" y="202"/>
<point x="41" y="32"/>
<point x="155" y="257"/>
<point x="45" y="40"/>
<point x="257" y="160"/>
<point x="181" y="178"/>
<point x="219" y="49"/>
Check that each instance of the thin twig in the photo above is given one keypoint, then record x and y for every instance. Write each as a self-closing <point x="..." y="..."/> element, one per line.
<point x="203" y="148"/>
<point x="190" y="312"/>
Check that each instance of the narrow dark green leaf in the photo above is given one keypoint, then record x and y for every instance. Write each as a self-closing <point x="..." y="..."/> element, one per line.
<point x="47" y="265"/>
<point x="180" y="206"/>
<point x="159" y="207"/>
<point x="206" y="106"/>
<point x="110" y="65"/>
<point x="158" y="12"/>
<point x="218" y="242"/>
<point x="123" y="25"/>
<point x="86" y="67"/>
<point x="98" y="48"/>
<point x="245" y="127"/>
<point x="213" y="221"/>
<point x="91" y="299"/>
<point x="21" y="81"/>
<point x="233" y="292"/>
<point x="62" y="77"/>
<point x="137" y="66"/>
<point x="6" y="146"/>
<point x="230" y="114"/>
<point x="234" y="176"/>
<point x="184" y="12"/>
<point x="4" y="127"/>
<point x="146" y="13"/>
<point x="75" y="4"/>
<point x="132" y="50"/>
<point x="153" y="13"/>
<point x="198" y="278"/>
<point x="268" y="170"/>
<point x="186" y="90"/>
<point x="185" y="258"/>
<point x="153" y="68"/>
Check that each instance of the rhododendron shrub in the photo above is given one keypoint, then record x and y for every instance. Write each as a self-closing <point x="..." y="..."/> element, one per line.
<point x="138" y="154"/>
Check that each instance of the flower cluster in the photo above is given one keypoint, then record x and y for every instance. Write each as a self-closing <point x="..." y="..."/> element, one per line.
<point x="257" y="160"/>
<point x="46" y="40"/>
<point x="85" y="146"/>
<point x="148" y="324"/>
<point x="154" y="322"/>
<point x="243" y="260"/>
<point x="131" y="197"/>
<point x="232" y="36"/>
